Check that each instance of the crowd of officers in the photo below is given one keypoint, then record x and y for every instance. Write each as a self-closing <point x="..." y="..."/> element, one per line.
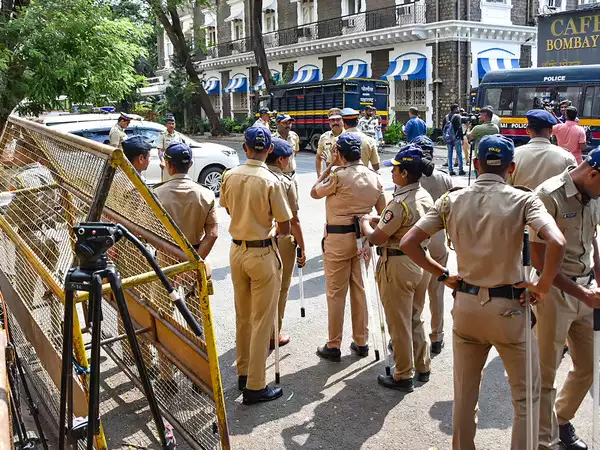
<point x="537" y="188"/>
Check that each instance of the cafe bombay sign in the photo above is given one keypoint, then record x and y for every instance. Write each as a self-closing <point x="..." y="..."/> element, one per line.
<point x="570" y="38"/>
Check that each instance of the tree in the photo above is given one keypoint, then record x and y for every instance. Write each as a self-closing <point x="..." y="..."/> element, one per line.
<point x="75" y="48"/>
<point x="168" y="15"/>
<point x="258" y="44"/>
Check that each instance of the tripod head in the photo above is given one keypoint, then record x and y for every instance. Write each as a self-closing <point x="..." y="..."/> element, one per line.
<point x="93" y="240"/>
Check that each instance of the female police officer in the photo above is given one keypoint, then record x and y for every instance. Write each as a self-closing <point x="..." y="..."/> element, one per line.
<point x="352" y="189"/>
<point x="403" y="284"/>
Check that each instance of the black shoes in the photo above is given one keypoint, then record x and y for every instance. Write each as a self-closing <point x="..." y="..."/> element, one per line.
<point x="436" y="347"/>
<point x="451" y="173"/>
<point x="242" y="380"/>
<point x="360" y="350"/>
<point x="266" y="394"/>
<point x="569" y="439"/>
<point x="424" y="376"/>
<point x="332" y="354"/>
<point x="400" y="385"/>
<point x="462" y="172"/>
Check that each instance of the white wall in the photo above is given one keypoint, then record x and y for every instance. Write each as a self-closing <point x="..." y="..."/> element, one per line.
<point x="496" y="13"/>
<point x="480" y="45"/>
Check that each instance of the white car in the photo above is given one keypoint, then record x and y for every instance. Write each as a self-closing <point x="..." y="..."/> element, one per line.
<point x="210" y="160"/>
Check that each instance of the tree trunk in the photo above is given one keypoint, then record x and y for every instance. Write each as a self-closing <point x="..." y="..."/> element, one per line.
<point x="175" y="33"/>
<point x="259" y="44"/>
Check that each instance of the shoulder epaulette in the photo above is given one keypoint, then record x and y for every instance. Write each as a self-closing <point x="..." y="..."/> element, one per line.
<point x="159" y="184"/>
<point x="523" y="188"/>
<point x="455" y="188"/>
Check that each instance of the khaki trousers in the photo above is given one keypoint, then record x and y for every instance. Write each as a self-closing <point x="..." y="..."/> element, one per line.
<point x="479" y="324"/>
<point x="256" y="277"/>
<point x="342" y="271"/>
<point x="287" y="251"/>
<point x="402" y="285"/>
<point x="435" y="289"/>
<point x="562" y="317"/>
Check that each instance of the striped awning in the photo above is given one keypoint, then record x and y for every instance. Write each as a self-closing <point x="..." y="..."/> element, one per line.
<point x="485" y="65"/>
<point x="237" y="84"/>
<point x="212" y="86"/>
<point x="260" y="85"/>
<point x="305" y="74"/>
<point x="407" y="69"/>
<point x="356" y="70"/>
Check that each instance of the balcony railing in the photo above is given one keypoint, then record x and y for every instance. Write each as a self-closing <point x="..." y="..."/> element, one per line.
<point x="377" y="19"/>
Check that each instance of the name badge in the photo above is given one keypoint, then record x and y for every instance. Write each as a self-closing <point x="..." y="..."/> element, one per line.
<point x="569" y="215"/>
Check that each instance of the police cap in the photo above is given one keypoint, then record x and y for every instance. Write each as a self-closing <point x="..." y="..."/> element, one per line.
<point x="496" y="149"/>
<point x="262" y="111"/>
<point x="593" y="159"/>
<point x="284" y="117"/>
<point x="334" y="113"/>
<point x="258" y="138"/>
<point x="425" y="144"/>
<point x="349" y="143"/>
<point x="170" y="118"/>
<point x="349" y="113"/>
<point x="281" y="148"/>
<point x="178" y="153"/>
<point x="540" y="118"/>
<point x="408" y="154"/>
<point x="125" y="117"/>
<point x="136" y="144"/>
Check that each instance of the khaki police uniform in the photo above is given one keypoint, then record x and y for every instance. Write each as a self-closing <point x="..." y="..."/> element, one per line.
<point x="286" y="244"/>
<point x="403" y="284"/>
<point x="351" y="190"/>
<point x="294" y="140"/>
<point x="437" y="185"/>
<point x="495" y="214"/>
<point x="37" y="209"/>
<point x="562" y="317"/>
<point x="117" y="135"/>
<point x="164" y="140"/>
<point x="254" y="198"/>
<point x="262" y="123"/>
<point x="368" y="148"/>
<point x="537" y="161"/>
<point x="325" y="147"/>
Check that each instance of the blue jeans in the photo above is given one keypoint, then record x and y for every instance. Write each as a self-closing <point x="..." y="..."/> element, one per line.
<point x="458" y="146"/>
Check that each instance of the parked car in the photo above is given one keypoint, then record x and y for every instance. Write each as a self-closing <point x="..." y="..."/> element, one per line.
<point x="210" y="160"/>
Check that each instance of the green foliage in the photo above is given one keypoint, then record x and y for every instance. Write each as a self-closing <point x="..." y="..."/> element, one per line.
<point x="393" y="134"/>
<point x="74" y="48"/>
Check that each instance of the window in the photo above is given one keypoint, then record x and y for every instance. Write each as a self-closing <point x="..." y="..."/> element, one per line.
<point x="269" y="21"/>
<point x="572" y="93"/>
<point x="531" y="98"/>
<point x="237" y="29"/>
<point x="240" y="100"/>
<point x="169" y="49"/>
<point x="307" y="11"/>
<point x="215" y="100"/>
<point x="351" y="7"/>
<point x="591" y="104"/>
<point x="98" y="135"/>
<point x="554" y="3"/>
<point x="501" y="99"/>
<point x="211" y="36"/>
<point x="149" y="134"/>
<point x="410" y="93"/>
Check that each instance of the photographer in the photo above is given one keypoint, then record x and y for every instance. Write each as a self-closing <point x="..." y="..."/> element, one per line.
<point x="485" y="128"/>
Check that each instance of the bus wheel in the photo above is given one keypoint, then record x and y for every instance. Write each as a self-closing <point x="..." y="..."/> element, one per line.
<point x="314" y="142"/>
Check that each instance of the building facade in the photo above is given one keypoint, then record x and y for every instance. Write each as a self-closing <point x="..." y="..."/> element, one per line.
<point x="432" y="52"/>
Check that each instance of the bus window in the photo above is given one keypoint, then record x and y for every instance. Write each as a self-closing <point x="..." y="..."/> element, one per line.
<point x="501" y="99"/>
<point x="591" y="104"/>
<point x="572" y="93"/>
<point x="532" y="98"/>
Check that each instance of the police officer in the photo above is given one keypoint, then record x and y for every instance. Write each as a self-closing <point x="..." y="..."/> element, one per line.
<point x="327" y="139"/>
<point x="277" y="162"/>
<point x="166" y="138"/>
<point x="264" y="120"/>
<point x="137" y="151"/>
<point x="284" y="131"/>
<point x="572" y="200"/>
<point x="350" y="190"/>
<point x="437" y="185"/>
<point x="488" y="286"/>
<point x="117" y="133"/>
<point x="255" y="199"/>
<point x="368" y="148"/>
<point x="539" y="160"/>
<point x="402" y="284"/>
<point x="369" y="123"/>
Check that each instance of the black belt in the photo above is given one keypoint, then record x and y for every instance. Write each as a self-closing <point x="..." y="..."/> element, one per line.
<point x="255" y="244"/>
<point x="506" y="291"/>
<point x="340" y="229"/>
<point x="390" y="251"/>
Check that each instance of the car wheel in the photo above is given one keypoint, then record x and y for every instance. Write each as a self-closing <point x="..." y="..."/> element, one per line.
<point x="210" y="178"/>
<point x="314" y="142"/>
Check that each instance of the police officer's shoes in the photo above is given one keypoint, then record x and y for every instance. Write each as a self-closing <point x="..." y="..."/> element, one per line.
<point x="262" y="395"/>
<point x="388" y="381"/>
<point x="360" y="350"/>
<point x="437" y="346"/>
<point x="242" y="380"/>
<point x="569" y="439"/>
<point x="423" y="377"/>
<point x="332" y="354"/>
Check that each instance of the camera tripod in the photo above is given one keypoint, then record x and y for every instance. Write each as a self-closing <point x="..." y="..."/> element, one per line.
<point x="93" y="241"/>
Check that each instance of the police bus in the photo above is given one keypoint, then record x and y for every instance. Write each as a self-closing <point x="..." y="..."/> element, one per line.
<point x="308" y="103"/>
<point x="514" y="92"/>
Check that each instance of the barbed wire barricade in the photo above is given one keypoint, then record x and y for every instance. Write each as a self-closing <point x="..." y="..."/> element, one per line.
<point x="51" y="181"/>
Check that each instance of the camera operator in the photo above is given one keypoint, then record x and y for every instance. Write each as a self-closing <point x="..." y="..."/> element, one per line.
<point x="484" y="128"/>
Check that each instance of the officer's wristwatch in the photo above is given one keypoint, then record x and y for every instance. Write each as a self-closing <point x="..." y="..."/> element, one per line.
<point x="444" y="276"/>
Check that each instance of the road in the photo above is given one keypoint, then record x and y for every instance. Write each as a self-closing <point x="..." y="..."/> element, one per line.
<point x="340" y="405"/>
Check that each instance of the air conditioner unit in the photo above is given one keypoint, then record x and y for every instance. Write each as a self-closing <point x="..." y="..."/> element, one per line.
<point x="348" y="23"/>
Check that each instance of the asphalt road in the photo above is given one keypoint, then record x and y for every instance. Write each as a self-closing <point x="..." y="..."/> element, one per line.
<point x="340" y="405"/>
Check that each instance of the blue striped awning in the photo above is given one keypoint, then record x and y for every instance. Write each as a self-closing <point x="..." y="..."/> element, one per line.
<point x="260" y="85"/>
<point x="212" y="86"/>
<point x="306" y="74"/>
<point x="407" y="69"/>
<point x="351" y="71"/>
<point x="485" y="65"/>
<point x="237" y="84"/>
